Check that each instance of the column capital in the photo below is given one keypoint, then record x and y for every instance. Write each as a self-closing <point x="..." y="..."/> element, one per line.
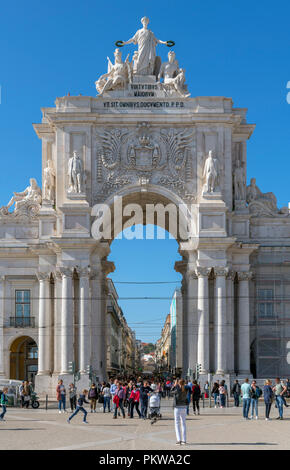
<point x="43" y="276"/>
<point x="83" y="272"/>
<point x="63" y="271"/>
<point x="231" y="274"/>
<point x="245" y="275"/>
<point x="221" y="271"/>
<point x="96" y="274"/>
<point x="203" y="272"/>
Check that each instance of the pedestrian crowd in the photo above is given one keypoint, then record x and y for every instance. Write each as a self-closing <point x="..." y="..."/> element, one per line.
<point x="143" y="397"/>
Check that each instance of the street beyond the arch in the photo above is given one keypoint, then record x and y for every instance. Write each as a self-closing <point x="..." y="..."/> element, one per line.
<point x="214" y="428"/>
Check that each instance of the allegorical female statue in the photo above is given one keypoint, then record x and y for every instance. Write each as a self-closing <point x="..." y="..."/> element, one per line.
<point x="147" y="42"/>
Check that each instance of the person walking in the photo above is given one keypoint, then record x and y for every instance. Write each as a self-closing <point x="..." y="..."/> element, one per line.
<point x="21" y="393"/>
<point x="60" y="396"/>
<point x="134" y="400"/>
<point x="107" y="398"/>
<point x="144" y="394"/>
<point x="180" y="402"/>
<point x="255" y="394"/>
<point x="188" y="387"/>
<point x="279" y="390"/>
<point x="196" y="393"/>
<point x="81" y="401"/>
<point x="284" y="394"/>
<point x="268" y="398"/>
<point x="119" y="400"/>
<point x="215" y="393"/>
<point x="93" y="396"/>
<point x="245" y="389"/>
<point x="72" y="391"/>
<point x="3" y="402"/>
<point x="206" y="389"/>
<point x="236" y="391"/>
<point x="222" y="394"/>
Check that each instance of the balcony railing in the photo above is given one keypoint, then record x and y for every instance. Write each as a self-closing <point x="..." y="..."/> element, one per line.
<point x="22" y="322"/>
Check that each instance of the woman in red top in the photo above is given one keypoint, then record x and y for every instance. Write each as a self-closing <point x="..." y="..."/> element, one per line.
<point x="134" y="401"/>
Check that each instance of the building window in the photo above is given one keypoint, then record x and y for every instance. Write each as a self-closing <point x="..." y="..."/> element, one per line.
<point x="22" y="307"/>
<point x="265" y="302"/>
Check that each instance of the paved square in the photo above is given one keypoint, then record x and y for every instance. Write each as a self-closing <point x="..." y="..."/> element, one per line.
<point x="213" y="429"/>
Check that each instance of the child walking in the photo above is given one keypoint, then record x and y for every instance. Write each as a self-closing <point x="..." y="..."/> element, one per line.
<point x="81" y="401"/>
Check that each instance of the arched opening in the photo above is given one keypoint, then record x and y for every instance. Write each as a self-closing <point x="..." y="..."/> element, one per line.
<point x="23" y="359"/>
<point x="146" y="230"/>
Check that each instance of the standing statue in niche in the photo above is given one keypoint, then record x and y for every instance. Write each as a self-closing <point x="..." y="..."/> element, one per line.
<point x="49" y="182"/>
<point x="146" y="40"/>
<point x="173" y="76"/>
<point x="240" y="182"/>
<point x="75" y="174"/>
<point x="211" y="174"/>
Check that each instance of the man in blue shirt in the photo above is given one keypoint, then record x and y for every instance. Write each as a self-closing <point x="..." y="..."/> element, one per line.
<point x="246" y="393"/>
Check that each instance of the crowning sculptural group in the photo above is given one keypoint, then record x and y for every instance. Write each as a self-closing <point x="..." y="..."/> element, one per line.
<point x="144" y="63"/>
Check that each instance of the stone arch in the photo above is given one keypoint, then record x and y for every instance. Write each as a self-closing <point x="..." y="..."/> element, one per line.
<point x="23" y="352"/>
<point x="151" y="195"/>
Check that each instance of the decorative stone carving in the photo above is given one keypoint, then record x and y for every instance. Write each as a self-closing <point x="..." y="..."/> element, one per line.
<point x="221" y="271"/>
<point x="49" y="182"/>
<point x="211" y="174"/>
<point x="63" y="271"/>
<point x="41" y="276"/>
<point x="83" y="272"/>
<point x="263" y="204"/>
<point x="75" y="174"/>
<point x="239" y="182"/>
<point x="203" y="272"/>
<point x="117" y="76"/>
<point x="160" y="156"/>
<point x="145" y="61"/>
<point x="245" y="275"/>
<point x="173" y="76"/>
<point x="231" y="275"/>
<point x="27" y="203"/>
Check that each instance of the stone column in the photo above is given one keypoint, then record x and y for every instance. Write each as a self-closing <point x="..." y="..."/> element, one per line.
<point x="244" y="323"/>
<point x="67" y="320"/>
<point x="2" y="289"/>
<point x="96" y="320"/>
<point x="57" y="322"/>
<point x="220" y="320"/>
<point x="192" y="317"/>
<point x="84" y="320"/>
<point x="203" y="319"/>
<point x="44" y="325"/>
<point x="230" y="323"/>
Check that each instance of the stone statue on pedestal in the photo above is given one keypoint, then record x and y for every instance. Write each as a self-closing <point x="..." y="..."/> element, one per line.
<point x="49" y="182"/>
<point x="173" y="76"/>
<point x="117" y="75"/>
<point x="146" y="40"/>
<point x="75" y="174"/>
<point x="211" y="174"/>
<point x="26" y="202"/>
<point x="239" y="182"/>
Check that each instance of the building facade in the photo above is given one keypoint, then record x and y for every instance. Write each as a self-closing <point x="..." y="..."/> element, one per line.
<point x="143" y="139"/>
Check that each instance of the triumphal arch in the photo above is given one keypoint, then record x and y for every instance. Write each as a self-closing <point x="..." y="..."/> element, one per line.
<point x="144" y="140"/>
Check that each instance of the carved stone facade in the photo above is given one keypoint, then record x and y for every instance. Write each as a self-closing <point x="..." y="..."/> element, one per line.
<point x="147" y="144"/>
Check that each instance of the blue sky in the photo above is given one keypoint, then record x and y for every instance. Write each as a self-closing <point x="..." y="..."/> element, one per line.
<point x="235" y="49"/>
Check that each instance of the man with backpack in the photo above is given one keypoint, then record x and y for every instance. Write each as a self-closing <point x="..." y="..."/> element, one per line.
<point x="93" y="396"/>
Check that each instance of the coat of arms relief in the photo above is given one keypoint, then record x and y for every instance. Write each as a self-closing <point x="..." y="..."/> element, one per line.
<point x="145" y="155"/>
